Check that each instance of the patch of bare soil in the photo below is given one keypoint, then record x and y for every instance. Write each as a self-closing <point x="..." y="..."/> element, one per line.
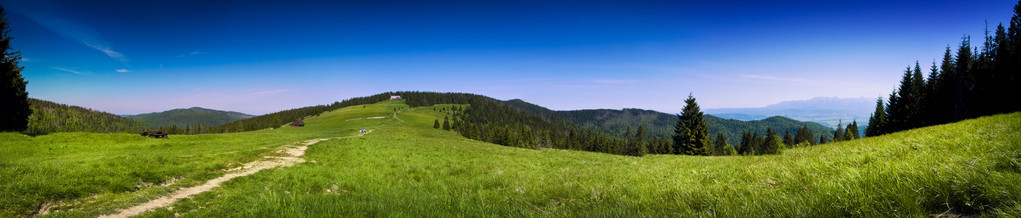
<point x="291" y="154"/>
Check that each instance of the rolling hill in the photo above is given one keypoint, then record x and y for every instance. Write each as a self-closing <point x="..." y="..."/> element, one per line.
<point x="404" y="167"/>
<point x="185" y="116"/>
<point x="615" y="122"/>
<point x="49" y="117"/>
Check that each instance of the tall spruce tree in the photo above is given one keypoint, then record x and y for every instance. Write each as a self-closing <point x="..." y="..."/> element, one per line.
<point x="14" y="106"/>
<point x="839" y="134"/>
<point x="772" y="143"/>
<point x="722" y="148"/>
<point x="851" y="132"/>
<point x="691" y="136"/>
<point x="877" y="120"/>
<point x="641" y="143"/>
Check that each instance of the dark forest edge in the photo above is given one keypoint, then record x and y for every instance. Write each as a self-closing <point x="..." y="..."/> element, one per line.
<point x="962" y="86"/>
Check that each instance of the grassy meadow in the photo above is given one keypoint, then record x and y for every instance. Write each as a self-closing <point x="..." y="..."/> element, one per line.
<point x="407" y="168"/>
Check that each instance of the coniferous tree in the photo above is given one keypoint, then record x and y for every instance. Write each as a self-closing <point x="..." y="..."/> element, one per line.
<point x="746" y="142"/>
<point x="851" y="132"/>
<point x="771" y="143"/>
<point x="436" y="123"/>
<point x="721" y="146"/>
<point x="641" y="144"/>
<point x="691" y="136"/>
<point x="14" y="106"/>
<point x="962" y="68"/>
<point x="804" y="135"/>
<point x="839" y="134"/>
<point x="446" y="123"/>
<point x="877" y="120"/>
<point x="788" y="139"/>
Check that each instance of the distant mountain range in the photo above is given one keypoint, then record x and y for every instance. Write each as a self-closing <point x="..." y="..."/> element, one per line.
<point x="825" y="110"/>
<point x="184" y="116"/>
<point x="616" y="122"/>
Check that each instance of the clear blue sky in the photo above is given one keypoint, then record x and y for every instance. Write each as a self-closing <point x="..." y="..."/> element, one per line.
<point x="129" y="57"/>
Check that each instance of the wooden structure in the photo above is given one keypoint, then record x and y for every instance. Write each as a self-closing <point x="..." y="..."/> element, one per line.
<point x="155" y="134"/>
<point x="395" y="97"/>
<point x="298" y="123"/>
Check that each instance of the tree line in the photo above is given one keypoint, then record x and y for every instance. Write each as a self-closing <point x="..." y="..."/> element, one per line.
<point x="967" y="83"/>
<point x="49" y="117"/>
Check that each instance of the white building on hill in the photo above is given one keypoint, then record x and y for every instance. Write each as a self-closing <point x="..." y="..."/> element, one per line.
<point x="395" y="97"/>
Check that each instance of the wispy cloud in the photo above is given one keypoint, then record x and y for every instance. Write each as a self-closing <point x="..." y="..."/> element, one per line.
<point x="772" y="78"/>
<point x="88" y="36"/>
<point x="191" y="54"/>
<point x="68" y="70"/>
<point x="123" y="70"/>
<point x="270" y="92"/>
<point x="616" y="81"/>
<point x="23" y="59"/>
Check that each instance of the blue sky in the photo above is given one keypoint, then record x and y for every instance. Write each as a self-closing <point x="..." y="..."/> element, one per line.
<point x="129" y="57"/>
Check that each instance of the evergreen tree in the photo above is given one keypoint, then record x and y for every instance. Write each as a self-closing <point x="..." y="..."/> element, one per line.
<point x="14" y="106"/>
<point x="772" y="143"/>
<point x="788" y="139"/>
<point x="721" y="145"/>
<point x="851" y="132"/>
<point x="746" y="142"/>
<point x="691" y="136"/>
<point x="803" y="135"/>
<point x="823" y="139"/>
<point x="641" y="143"/>
<point x="877" y="120"/>
<point x="839" y="134"/>
<point x="962" y="68"/>
<point x="436" y="124"/>
<point x="446" y="123"/>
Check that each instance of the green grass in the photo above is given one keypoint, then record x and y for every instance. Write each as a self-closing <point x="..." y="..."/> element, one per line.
<point x="407" y="168"/>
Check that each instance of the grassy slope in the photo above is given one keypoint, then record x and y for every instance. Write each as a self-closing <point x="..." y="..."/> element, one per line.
<point x="407" y="168"/>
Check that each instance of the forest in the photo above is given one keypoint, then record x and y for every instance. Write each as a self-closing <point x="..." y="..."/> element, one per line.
<point x="967" y="83"/>
<point x="48" y="117"/>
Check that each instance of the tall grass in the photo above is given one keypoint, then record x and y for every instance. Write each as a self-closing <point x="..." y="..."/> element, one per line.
<point x="407" y="168"/>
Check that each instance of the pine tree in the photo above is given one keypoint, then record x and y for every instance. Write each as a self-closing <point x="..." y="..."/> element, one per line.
<point x="446" y="123"/>
<point x="641" y="143"/>
<point x="745" y="143"/>
<point x="772" y="143"/>
<point x="14" y="106"/>
<point x="839" y="134"/>
<point x="691" y="136"/>
<point x="877" y="120"/>
<point x="851" y="132"/>
<point x="721" y="145"/>
<point x="436" y="123"/>
<point x="788" y="139"/>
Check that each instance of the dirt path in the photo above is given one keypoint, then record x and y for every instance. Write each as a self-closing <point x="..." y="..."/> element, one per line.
<point x="290" y="155"/>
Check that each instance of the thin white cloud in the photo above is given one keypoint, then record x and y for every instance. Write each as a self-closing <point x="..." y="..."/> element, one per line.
<point x="191" y="54"/>
<point x="78" y="32"/>
<point x="123" y="70"/>
<point x="67" y="70"/>
<point x="616" y="81"/>
<point x="23" y="59"/>
<point x="270" y="92"/>
<point x="772" y="78"/>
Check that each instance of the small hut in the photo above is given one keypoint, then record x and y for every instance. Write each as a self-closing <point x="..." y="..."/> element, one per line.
<point x="298" y="123"/>
<point x="395" y="97"/>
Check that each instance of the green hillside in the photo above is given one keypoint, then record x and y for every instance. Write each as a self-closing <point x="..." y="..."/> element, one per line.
<point x="49" y="117"/>
<point x="404" y="167"/>
<point x="615" y="122"/>
<point x="183" y="117"/>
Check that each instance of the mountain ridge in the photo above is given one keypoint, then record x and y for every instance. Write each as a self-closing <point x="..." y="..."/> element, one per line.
<point x="181" y="117"/>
